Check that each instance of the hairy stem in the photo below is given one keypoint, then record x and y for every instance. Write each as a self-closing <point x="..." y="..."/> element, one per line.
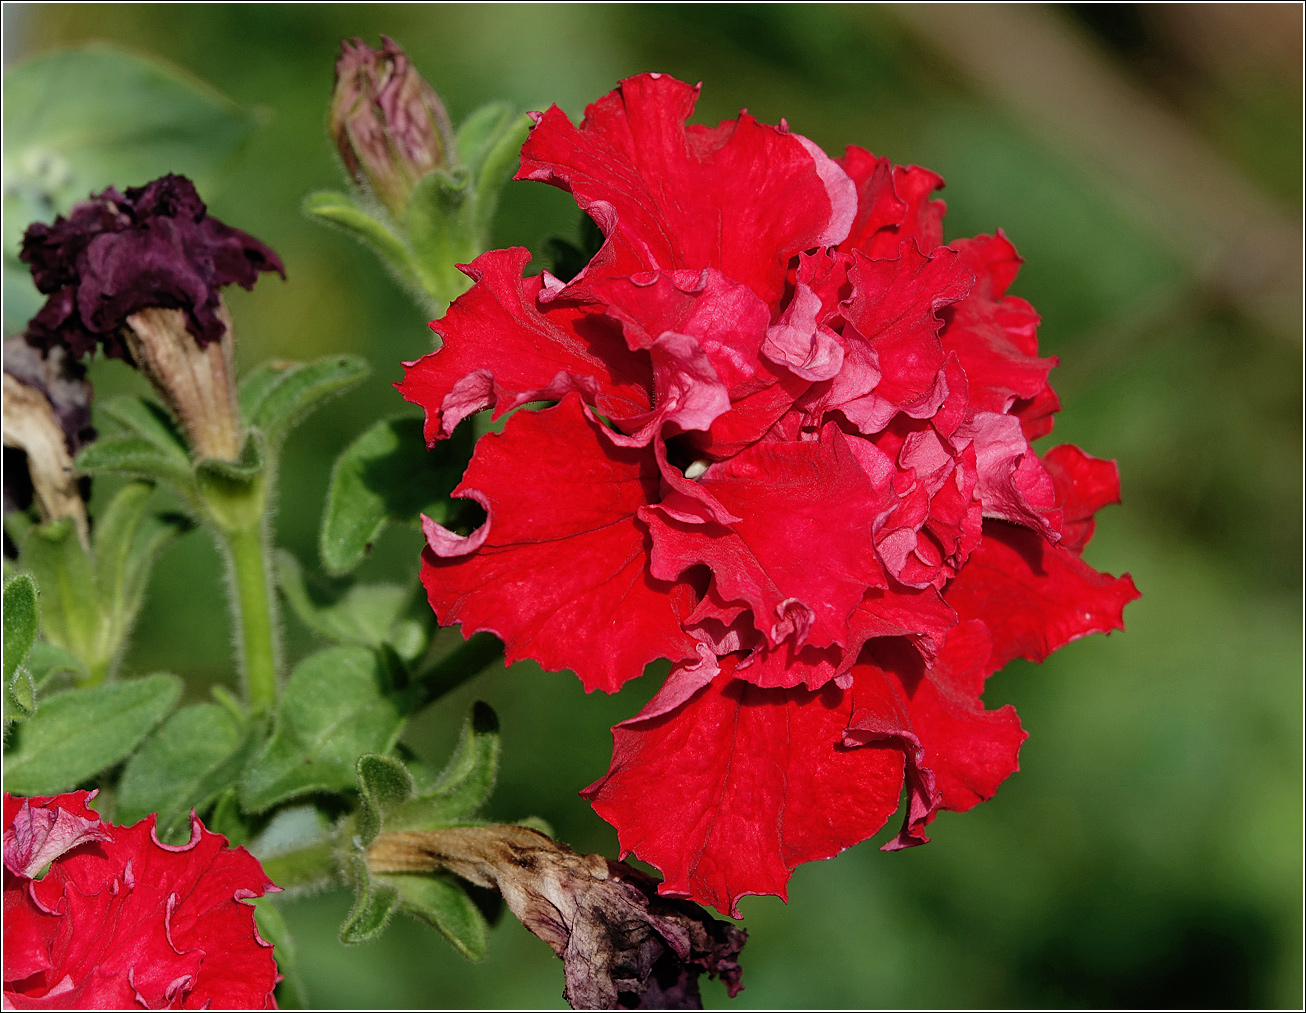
<point x="254" y="614"/>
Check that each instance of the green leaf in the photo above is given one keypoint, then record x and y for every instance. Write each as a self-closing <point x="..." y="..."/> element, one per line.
<point x="443" y="903"/>
<point x="115" y="528"/>
<point x="78" y="120"/>
<point x="47" y="661"/>
<point x="151" y="422"/>
<point x="19" y="700"/>
<point x="479" y="132"/>
<point x="225" y="819"/>
<point x="135" y="455"/>
<point x="387" y="475"/>
<point x="188" y="761"/>
<point x="374" y="905"/>
<point x="71" y="614"/>
<point x="22" y="618"/>
<point x="300" y="388"/>
<point x="153" y="534"/>
<point x="464" y="785"/>
<point x="78" y="733"/>
<point x="341" y="211"/>
<point x="335" y="708"/>
<point x="383" y="782"/>
<point x="439" y="230"/>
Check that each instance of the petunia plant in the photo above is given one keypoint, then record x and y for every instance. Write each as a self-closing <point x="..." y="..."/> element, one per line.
<point x="764" y="425"/>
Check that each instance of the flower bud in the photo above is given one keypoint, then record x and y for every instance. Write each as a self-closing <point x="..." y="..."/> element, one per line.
<point x="388" y="123"/>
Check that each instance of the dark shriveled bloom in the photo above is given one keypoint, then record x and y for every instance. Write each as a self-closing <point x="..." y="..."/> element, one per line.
<point x="140" y="276"/>
<point x="789" y="450"/>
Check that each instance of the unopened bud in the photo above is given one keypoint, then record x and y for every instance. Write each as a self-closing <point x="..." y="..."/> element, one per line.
<point x="388" y="123"/>
<point x="197" y="382"/>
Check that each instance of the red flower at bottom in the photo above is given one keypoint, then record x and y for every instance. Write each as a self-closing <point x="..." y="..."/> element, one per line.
<point x="121" y="921"/>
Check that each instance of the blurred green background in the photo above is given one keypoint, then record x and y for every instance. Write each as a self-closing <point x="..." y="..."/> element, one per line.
<point x="1149" y="851"/>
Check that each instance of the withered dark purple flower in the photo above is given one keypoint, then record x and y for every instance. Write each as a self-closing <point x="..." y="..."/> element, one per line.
<point x="623" y="945"/>
<point x="114" y="255"/>
<point x="388" y="123"/>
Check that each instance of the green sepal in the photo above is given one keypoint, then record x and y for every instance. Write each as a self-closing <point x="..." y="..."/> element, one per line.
<point x="464" y="785"/>
<point x="374" y="904"/>
<point x="337" y="705"/>
<point x="233" y="492"/>
<point x="185" y="764"/>
<point x="383" y="783"/>
<point x="22" y="619"/>
<point x="151" y="422"/>
<point x="490" y="143"/>
<point x="440" y="232"/>
<point x="71" y="612"/>
<point x="78" y="733"/>
<point x="386" y="475"/>
<point x="369" y="615"/>
<point x="441" y="901"/>
<point x="275" y="407"/>
<point x="342" y="211"/>
<point x="136" y="456"/>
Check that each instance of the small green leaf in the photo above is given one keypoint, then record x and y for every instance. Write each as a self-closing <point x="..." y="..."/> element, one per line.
<point x="383" y="783"/>
<point x="115" y="527"/>
<point x="493" y="170"/>
<point x="479" y="132"/>
<point x="335" y="708"/>
<point x="300" y="388"/>
<point x="374" y="905"/>
<point x="71" y="614"/>
<point x="464" y="785"/>
<point x="47" y="661"/>
<point x="153" y="534"/>
<point x="225" y="819"/>
<point x="19" y="699"/>
<point x="387" y="475"/>
<point x="135" y="455"/>
<point x="151" y="422"/>
<point x="184" y="765"/>
<point x="22" y="618"/>
<point x="441" y="902"/>
<point x="341" y="211"/>
<point x="78" y="733"/>
<point x="367" y="614"/>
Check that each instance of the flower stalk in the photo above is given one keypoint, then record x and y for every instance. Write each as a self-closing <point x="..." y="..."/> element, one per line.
<point x="255" y="614"/>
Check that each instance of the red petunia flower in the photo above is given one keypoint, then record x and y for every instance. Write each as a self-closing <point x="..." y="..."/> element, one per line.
<point x="104" y="917"/>
<point x="789" y="453"/>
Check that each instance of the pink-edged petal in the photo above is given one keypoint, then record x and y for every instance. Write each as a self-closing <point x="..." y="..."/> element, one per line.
<point x="801" y="555"/>
<point x="801" y="343"/>
<point x="741" y="197"/>
<point x="996" y="335"/>
<point x="39" y="834"/>
<point x="1035" y="597"/>
<point x="561" y="572"/>
<point x="688" y="394"/>
<point x="730" y="792"/>
<point x="500" y="351"/>
<point x="1084" y="486"/>
<point x="1013" y="484"/>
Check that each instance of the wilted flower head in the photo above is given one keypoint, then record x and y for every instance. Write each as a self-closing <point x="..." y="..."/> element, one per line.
<point x="789" y="451"/>
<point x="105" y="917"/>
<point x="623" y="946"/>
<point x="47" y="419"/>
<point x="113" y="255"/>
<point x="388" y="123"/>
<point x="140" y="275"/>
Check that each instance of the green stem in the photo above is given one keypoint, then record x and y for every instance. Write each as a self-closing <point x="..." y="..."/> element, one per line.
<point x="254" y="612"/>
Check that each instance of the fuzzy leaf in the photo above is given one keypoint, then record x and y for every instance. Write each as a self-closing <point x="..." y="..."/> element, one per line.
<point x="335" y="708"/>
<point x="374" y="904"/>
<point x="47" y="661"/>
<point x="464" y="785"/>
<point x="440" y="232"/>
<point x="78" y="733"/>
<point x="71" y="613"/>
<point x="368" y="615"/>
<point x="184" y="765"/>
<point x="383" y="782"/>
<point x="340" y="210"/>
<point x="22" y="618"/>
<point x="134" y="455"/>
<point x="494" y="168"/>
<point x="300" y="388"/>
<point x="442" y="903"/>
<point x="19" y="699"/>
<point x="387" y="475"/>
